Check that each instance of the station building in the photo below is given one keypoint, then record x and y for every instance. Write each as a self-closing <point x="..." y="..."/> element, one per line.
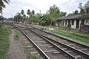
<point x="73" y="21"/>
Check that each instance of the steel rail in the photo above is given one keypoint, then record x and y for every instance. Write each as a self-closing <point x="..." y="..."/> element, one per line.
<point x="57" y="47"/>
<point x="76" y="50"/>
<point x="38" y="49"/>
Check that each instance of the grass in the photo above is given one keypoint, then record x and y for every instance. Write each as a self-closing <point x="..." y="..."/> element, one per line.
<point x="29" y="55"/>
<point x="4" y="43"/>
<point x="17" y="36"/>
<point x="67" y="33"/>
<point x="70" y="35"/>
<point x="33" y="56"/>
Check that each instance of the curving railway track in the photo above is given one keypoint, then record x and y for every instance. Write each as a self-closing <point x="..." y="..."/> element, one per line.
<point x="51" y="46"/>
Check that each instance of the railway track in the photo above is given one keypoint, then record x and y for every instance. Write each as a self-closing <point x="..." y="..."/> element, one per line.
<point x="55" y="47"/>
<point x="47" y="50"/>
<point x="79" y="51"/>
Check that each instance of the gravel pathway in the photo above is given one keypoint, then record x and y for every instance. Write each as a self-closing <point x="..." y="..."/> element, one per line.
<point x="16" y="50"/>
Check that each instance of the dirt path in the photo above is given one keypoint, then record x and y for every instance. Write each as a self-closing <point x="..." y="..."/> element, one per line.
<point x="16" y="50"/>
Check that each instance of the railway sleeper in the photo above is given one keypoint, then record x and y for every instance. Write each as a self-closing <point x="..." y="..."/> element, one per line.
<point x="83" y="49"/>
<point x="73" y="49"/>
<point x="34" y="52"/>
<point x="55" y="45"/>
<point x="76" y="50"/>
<point x="51" y="51"/>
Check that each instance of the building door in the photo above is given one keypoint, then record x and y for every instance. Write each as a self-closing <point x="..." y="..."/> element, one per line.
<point x="77" y="24"/>
<point x="69" y="25"/>
<point x="83" y="22"/>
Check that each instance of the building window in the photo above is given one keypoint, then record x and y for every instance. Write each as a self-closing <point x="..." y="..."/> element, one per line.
<point x="72" y="22"/>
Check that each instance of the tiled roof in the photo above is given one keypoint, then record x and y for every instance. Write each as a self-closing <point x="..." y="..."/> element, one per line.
<point x="71" y="17"/>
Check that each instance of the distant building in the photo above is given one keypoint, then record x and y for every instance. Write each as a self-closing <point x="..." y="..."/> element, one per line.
<point x="73" y="21"/>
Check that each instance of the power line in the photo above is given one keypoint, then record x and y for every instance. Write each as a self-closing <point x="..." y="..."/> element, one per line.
<point x="65" y="2"/>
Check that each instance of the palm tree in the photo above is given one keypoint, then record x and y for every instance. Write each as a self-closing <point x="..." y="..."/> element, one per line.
<point x="29" y="12"/>
<point x="2" y="4"/>
<point x="22" y="12"/>
<point x="33" y="12"/>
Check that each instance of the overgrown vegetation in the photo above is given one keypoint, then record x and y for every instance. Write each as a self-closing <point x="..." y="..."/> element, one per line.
<point x="66" y="32"/>
<point x="2" y="4"/>
<point x="17" y="36"/>
<point x="70" y="35"/>
<point x="4" y="43"/>
<point x="48" y="18"/>
<point x="32" y="56"/>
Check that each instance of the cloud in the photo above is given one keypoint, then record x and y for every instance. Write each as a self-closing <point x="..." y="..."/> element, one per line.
<point x="37" y="5"/>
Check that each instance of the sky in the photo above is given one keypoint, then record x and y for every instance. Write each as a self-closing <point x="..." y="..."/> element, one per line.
<point x="40" y="5"/>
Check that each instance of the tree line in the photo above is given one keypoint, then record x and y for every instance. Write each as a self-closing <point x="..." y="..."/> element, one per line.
<point x="49" y="18"/>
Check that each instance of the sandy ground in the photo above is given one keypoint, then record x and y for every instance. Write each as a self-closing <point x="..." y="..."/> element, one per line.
<point x="16" y="50"/>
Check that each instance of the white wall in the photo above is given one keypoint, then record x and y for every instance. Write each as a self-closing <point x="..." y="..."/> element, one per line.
<point x="65" y="25"/>
<point x="73" y="26"/>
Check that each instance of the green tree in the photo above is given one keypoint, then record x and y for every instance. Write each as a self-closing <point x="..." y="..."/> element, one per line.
<point x="2" y="4"/>
<point x="1" y="18"/>
<point x="81" y="9"/>
<point x="24" y="17"/>
<point x="22" y="12"/>
<point x="75" y="12"/>
<point x="33" y="12"/>
<point x="87" y="10"/>
<point x="62" y="14"/>
<point x="53" y="13"/>
<point x="45" y="20"/>
<point x="35" y="18"/>
<point x="18" y="17"/>
<point x="29" y="12"/>
<point x="87" y="7"/>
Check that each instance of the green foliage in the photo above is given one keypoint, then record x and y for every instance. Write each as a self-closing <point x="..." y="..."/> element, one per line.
<point x="17" y="36"/>
<point x="2" y="4"/>
<point x="22" y="12"/>
<point x="54" y="13"/>
<point x="87" y="6"/>
<point x="82" y="11"/>
<point x="67" y="32"/>
<point x="62" y="14"/>
<point x="33" y="12"/>
<point x="45" y="20"/>
<point x="4" y="43"/>
<point x="23" y="16"/>
<point x="34" y="18"/>
<point x="81" y="8"/>
<point x="29" y="12"/>
<point x="1" y="17"/>
<point x="75" y="12"/>
<point x="35" y="57"/>
<point x="18" y="17"/>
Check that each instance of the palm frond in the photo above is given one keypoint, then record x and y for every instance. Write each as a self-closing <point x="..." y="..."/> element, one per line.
<point x="0" y="9"/>
<point x="2" y="4"/>
<point x="6" y="1"/>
